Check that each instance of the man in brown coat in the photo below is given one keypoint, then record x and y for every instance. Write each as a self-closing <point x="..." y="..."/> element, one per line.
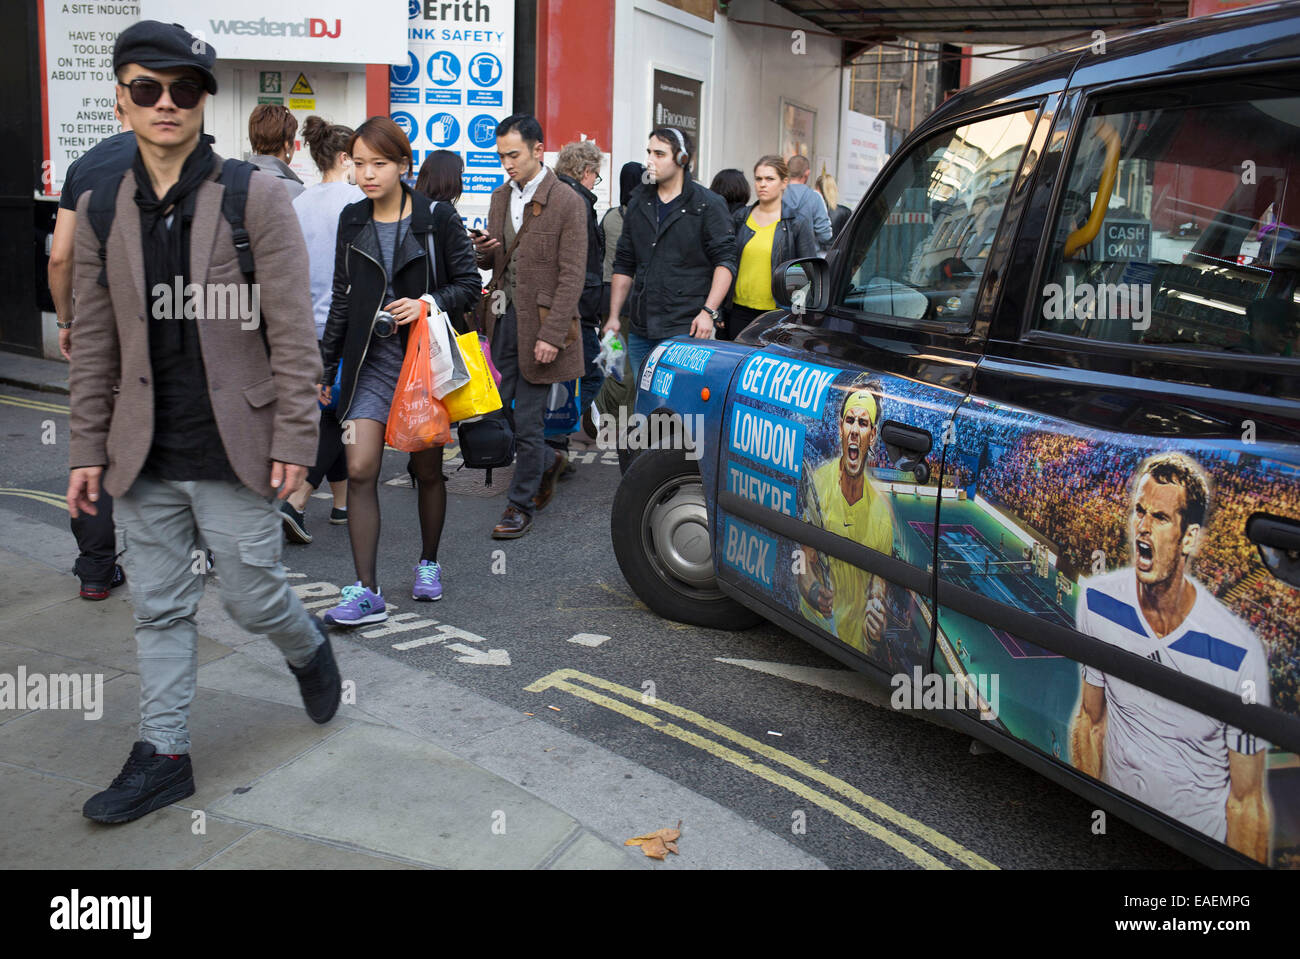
<point x="190" y="405"/>
<point x="533" y="312"/>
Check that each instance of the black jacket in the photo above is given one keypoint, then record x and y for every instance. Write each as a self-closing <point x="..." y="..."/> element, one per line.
<point x="792" y="240"/>
<point x="589" y="305"/>
<point x="839" y="216"/>
<point x="672" y="264"/>
<point x="360" y="280"/>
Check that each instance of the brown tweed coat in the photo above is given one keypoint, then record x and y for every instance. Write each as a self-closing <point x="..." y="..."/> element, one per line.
<point x="551" y="267"/>
<point x="263" y="392"/>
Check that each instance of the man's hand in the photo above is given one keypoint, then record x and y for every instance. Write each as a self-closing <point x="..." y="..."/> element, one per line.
<point x="83" y="490"/>
<point x="702" y="325"/>
<point x="484" y="245"/>
<point x="544" y="352"/>
<point x="324" y="394"/>
<point x="286" y="477"/>
<point x="611" y="324"/>
<point x="65" y="344"/>
<point x="873" y="623"/>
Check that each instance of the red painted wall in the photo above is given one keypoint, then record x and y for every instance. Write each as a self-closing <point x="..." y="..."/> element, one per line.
<point x="376" y="90"/>
<point x="575" y="71"/>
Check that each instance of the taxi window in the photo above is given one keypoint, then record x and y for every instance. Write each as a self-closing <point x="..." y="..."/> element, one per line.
<point x="921" y="253"/>
<point x="1179" y="224"/>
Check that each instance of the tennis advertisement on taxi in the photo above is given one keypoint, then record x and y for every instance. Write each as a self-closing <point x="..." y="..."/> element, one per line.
<point x="1141" y="547"/>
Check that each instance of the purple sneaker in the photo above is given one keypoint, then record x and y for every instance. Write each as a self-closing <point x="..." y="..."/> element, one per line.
<point x="428" y="581"/>
<point x="359" y="607"/>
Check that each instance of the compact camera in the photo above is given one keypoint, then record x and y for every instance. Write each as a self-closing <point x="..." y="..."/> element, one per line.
<point x="385" y="324"/>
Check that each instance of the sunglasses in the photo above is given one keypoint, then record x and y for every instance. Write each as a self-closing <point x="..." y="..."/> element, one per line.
<point x="145" y="92"/>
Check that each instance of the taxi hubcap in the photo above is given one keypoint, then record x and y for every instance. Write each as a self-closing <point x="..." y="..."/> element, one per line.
<point x="676" y="530"/>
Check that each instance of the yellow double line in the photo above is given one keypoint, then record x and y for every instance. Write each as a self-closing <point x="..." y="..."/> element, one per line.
<point x="882" y="827"/>
<point x="40" y="495"/>
<point x="29" y="404"/>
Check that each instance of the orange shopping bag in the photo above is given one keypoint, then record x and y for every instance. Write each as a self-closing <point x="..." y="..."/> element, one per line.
<point x="417" y="419"/>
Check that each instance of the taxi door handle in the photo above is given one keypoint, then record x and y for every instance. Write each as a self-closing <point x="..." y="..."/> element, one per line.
<point x="900" y="439"/>
<point x="908" y="438"/>
<point x="1274" y="531"/>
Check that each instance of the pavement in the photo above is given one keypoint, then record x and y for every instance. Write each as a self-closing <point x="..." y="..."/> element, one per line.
<point x="413" y="772"/>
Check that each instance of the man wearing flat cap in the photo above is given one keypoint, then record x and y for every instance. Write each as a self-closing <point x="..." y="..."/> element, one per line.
<point x="213" y="414"/>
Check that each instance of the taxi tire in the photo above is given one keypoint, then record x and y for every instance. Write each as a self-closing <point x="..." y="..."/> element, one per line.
<point x="659" y="481"/>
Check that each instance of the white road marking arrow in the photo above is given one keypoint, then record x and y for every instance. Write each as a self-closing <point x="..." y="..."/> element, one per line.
<point x="588" y="639"/>
<point x="846" y="682"/>
<point x="480" y="657"/>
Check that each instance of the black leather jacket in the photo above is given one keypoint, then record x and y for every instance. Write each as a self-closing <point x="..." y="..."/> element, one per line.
<point x="360" y="280"/>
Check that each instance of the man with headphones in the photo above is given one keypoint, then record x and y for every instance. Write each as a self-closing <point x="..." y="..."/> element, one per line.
<point x="676" y="254"/>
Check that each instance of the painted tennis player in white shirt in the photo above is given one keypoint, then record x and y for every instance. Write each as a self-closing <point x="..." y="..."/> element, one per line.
<point x="1198" y="770"/>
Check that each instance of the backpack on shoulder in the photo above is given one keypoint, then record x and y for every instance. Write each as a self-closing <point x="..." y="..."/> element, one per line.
<point x="235" y="175"/>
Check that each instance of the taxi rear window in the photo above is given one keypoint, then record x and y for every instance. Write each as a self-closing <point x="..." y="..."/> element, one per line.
<point x="1179" y="224"/>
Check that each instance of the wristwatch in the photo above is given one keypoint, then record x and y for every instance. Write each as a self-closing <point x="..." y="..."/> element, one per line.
<point x="713" y="313"/>
<point x="63" y="326"/>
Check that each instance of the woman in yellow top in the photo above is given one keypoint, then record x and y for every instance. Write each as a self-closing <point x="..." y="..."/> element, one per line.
<point x="768" y="234"/>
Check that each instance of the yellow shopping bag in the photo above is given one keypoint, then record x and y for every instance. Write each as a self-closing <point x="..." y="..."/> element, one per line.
<point x="479" y="395"/>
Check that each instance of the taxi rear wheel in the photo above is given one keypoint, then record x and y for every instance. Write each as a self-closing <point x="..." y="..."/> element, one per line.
<point x="660" y="529"/>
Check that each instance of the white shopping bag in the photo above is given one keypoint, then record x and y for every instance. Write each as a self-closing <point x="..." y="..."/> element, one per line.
<point x="449" y="369"/>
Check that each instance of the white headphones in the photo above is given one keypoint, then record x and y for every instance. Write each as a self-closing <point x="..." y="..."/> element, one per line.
<point x="681" y="156"/>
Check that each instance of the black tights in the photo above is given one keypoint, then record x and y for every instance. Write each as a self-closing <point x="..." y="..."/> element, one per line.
<point x="365" y="453"/>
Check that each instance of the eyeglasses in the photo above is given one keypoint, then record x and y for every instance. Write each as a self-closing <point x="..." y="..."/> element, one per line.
<point x="145" y="92"/>
<point x="599" y="180"/>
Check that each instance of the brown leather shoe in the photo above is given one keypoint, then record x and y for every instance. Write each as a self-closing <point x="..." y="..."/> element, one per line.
<point x="547" y="488"/>
<point x="514" y="523"/>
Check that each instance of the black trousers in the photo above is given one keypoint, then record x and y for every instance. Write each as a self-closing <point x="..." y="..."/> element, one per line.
<point x="331" y="460"/>
<point x="97" y="539"/>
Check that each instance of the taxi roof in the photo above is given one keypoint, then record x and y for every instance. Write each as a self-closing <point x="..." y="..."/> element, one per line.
<point x="1249" y="35"/>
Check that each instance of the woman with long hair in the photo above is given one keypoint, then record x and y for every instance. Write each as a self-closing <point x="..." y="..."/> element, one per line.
<point x="839" y="213"/>
<point x="767" y="234"/>
<point x="394" y="249"/>
<point x="318" y="208"/>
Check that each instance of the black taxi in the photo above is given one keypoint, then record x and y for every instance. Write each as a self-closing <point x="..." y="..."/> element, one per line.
<point x="1032" y="426"/>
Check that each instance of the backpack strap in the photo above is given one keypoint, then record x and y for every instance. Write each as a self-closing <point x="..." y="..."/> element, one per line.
<point x="235" y="175"/>
<point x="101" y="210"/>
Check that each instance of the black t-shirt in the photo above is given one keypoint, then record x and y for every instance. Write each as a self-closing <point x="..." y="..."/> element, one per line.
<point x="108" y="158"/>
<point x="663" y="208"/>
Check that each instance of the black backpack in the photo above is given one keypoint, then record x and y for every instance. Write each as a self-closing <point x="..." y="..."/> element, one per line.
<point x="487" y="443"/>
<point x="235" y="175"/>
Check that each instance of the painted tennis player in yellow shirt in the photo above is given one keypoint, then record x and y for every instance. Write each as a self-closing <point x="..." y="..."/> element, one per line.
<point x="839" y="496"/>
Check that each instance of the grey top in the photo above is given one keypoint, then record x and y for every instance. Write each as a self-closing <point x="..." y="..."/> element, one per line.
<point x="612" y="225"/>
<point x="808" y="203"/>
<point x="318" y="208"/>
<point x="385" y="353"/>
<point x="279" y="169"/>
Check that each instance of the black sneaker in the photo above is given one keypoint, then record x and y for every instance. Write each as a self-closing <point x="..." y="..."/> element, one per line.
<point x="338" y="517"/>
<point x="98" y="591"/>
<point x="319" y="681"/>
<point x="295" y="524"/>
<point x="147" y="782"/>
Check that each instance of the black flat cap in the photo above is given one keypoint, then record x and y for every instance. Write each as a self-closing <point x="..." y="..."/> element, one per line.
<point x="165" y="46"/>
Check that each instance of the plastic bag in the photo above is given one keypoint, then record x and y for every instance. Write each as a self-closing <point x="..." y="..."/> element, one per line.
<point x="562" y="416"/>
<point x="612" y="358"/>
<point x="480" y="394"/>
<point x="417" y="419"/>
<point x="445" y="357"/>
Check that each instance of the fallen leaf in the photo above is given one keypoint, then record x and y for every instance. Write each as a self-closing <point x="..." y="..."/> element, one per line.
<point x="659" y="843"/>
